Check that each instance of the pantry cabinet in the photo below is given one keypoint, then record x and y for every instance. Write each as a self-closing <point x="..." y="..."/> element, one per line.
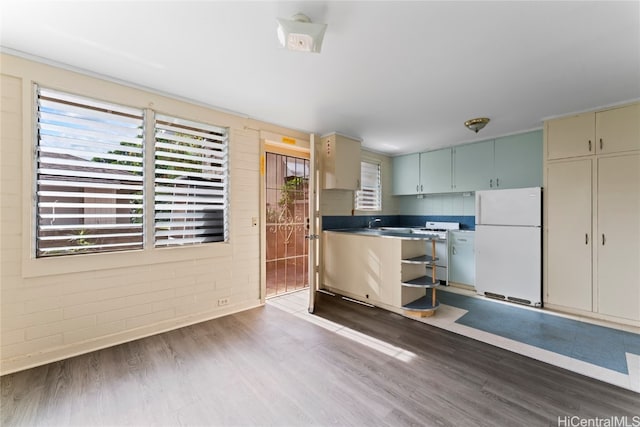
<point x="340" y="158"/>
<point x="569" y="234"/>
<point x="592" y="215"/>
<point x="618" y="236"/>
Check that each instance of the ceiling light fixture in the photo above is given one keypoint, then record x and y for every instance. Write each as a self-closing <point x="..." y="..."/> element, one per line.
<point x="299" y="33"/>
<point x="476" y="124"/>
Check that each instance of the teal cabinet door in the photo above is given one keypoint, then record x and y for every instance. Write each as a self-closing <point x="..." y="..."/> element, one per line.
<point x="473" y="167"/>
<point x="462" y="259"/>
<point x="435" y="171"/>
<point x="406" y="174"/>
<point x="518" y="160"/>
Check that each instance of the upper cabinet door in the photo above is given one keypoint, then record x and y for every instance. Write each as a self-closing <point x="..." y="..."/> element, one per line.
<point x="518" y="160"/>
<point x="571" y="136"/>
<point x="473" y="166"/>
<point x="406" y="175"/>
<point x="435" y="171"/>
<point x="618" y="130"/>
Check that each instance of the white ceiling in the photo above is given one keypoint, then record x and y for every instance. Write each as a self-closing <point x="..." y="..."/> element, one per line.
<point x="402" y="76"/>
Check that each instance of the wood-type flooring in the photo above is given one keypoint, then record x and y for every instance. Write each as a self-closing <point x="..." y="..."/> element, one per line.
<point x="268" y="367"/>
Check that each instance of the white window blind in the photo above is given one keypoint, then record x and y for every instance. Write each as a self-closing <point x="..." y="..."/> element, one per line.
<point x="369" y="197"/>
<point x="89" y="183"/>
<point x="190" y="182"/>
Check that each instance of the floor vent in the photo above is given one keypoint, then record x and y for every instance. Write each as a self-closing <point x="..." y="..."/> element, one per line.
<point x="494" y="296"/>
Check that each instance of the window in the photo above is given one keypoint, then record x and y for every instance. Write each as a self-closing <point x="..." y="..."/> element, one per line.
<point x="369" y="197"/>
<point x="190" y="182"/>
<point x="89" y="183"/>
<point x="90" y="178"/>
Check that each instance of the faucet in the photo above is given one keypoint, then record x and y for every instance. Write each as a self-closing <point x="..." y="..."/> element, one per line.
<point x="375" y="221"/>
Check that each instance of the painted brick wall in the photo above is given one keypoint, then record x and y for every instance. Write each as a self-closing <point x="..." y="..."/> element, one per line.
<point x="56" y="308"/>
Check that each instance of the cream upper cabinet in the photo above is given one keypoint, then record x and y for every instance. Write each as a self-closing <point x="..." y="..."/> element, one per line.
<point x="568" y="238"/>
<point x="618" y="236"/>
<point x="570" y="136"/>
<point x="340" y="162"/>
<point x="592" y="214"/>
<point x="618" y="130"/>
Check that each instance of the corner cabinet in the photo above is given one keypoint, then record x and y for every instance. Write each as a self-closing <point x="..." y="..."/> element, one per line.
<point x="592" y="214"/>
<point x="340" y="157"/>
<point x="419" y="281"/>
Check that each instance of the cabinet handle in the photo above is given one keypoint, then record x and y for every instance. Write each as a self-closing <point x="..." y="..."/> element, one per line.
<point x="497" y="182"/>
<point x="417" y="188"/>
<point x="491" y="183"/>
<point x="589" y="145"/>
<point x="586" y="238"/>
<point x="603" y="239"/>
<point x="421" y="189"/>
<point x="600" y="144"/>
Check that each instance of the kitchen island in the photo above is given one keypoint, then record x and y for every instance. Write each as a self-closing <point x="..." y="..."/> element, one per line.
<point x="391" y="268"/>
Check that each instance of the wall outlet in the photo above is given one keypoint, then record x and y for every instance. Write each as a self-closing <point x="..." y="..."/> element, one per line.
<point x="223" y="301"/>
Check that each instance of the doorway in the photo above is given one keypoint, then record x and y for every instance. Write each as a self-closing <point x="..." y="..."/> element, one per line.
<point x="287" y="217"/>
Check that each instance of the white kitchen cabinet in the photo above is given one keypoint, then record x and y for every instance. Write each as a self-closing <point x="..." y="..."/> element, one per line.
<point x="366" y="268"/>
<point x="592" y="215"/>
<point x="406" y="175"/>
<point x="513" y="161"/>
<point x="618" y="236"/>
<point x="462" y="258"/>
<point x="568" y="234"/>
<point x="340" y="157"/>
<point x="435" y="171"/>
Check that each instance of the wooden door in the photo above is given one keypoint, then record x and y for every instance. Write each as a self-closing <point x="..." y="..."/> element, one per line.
<point x="618" y="236"/>
<point x="569" y="266"/>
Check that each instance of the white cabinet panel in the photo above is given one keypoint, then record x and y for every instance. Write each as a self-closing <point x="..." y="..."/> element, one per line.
<point x="618" y="236"/>
<point x="569" y="234"/>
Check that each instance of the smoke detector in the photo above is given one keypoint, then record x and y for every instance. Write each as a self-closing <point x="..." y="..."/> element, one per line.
<point x="299" y="33"/>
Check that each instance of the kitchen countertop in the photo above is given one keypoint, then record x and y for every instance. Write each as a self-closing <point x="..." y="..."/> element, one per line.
<point x="404" y="233"/>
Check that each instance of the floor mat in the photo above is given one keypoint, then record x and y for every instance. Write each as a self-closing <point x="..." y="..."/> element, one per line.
<point x="590" y="343"/>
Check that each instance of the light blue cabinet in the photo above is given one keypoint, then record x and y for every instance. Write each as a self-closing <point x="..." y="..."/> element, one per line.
<point x="435" y="171"/>
<point x="513" y="161"/>
<point x="462" y="257"/>
<point x="406" y="174"/>
<point x="518" y="160"/>
<point x="473" y="166"/>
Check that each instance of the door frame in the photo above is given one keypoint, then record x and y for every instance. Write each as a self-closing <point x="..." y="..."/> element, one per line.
<point x="271" y="142"/>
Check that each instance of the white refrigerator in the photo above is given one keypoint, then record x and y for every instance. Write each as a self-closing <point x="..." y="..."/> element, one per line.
<point x="508" y="243"/>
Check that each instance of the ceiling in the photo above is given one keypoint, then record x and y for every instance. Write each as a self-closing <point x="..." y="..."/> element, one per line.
<point x="401" y="76"/>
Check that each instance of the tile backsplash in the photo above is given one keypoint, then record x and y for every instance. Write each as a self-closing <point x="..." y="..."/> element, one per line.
<point x="439" y="204"/>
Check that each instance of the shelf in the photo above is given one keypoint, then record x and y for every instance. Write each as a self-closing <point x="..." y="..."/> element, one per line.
<point x="422" y="259"/>
<point x="421" y="304"/>
<point x="422" y="282"/>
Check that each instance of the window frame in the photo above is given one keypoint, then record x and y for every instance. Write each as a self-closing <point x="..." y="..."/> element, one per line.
<point x="359" y="195"/>
<point x="148" y="194"/>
